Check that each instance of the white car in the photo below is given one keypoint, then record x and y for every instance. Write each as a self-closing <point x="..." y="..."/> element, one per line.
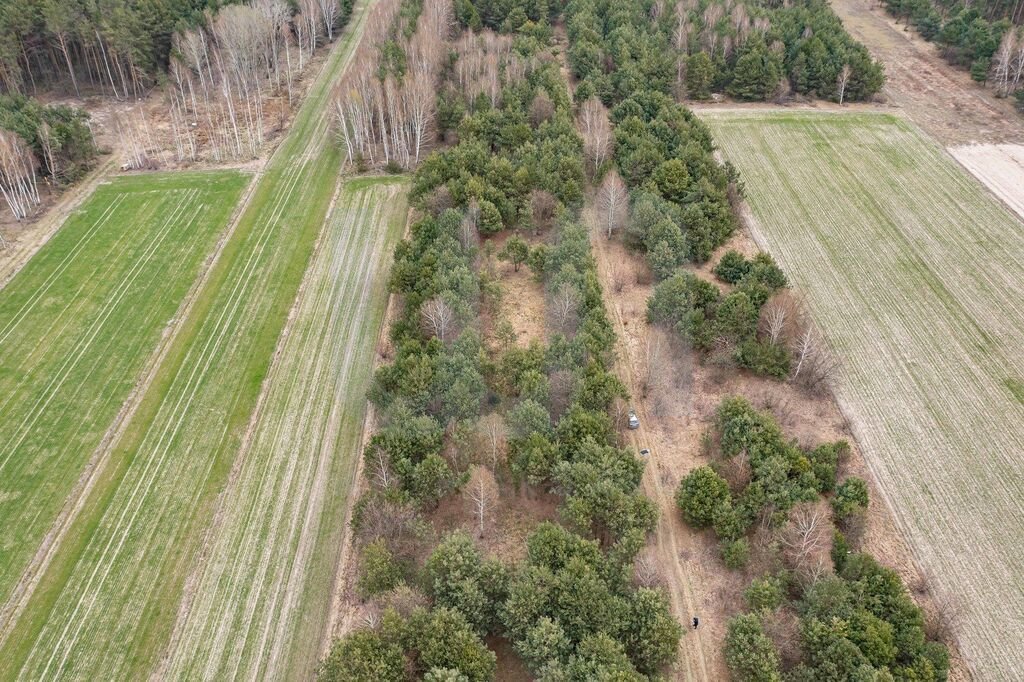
<point x="633" y="421"/>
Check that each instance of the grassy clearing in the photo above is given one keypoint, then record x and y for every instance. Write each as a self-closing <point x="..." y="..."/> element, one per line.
<point x="76" y="327"/>
<point x="265" y="587"/>
<point x="105" y="607"/>
<point x="915" y="274"/>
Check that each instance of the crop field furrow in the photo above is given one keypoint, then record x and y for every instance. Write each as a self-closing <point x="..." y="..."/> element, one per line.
<point x="106" y="605"/>
<point x="267" y="572"/>
<point x="84" y="316"/>
<point x="914" y="273"/>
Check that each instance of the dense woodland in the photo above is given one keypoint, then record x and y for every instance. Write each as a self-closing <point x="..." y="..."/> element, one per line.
<point x="122" y="47"/>
<point x="119" y="46"/>
<point x="225" y="68"/>
<point x="985" y="37"/>
<point x="461" y="416"/>
<point x="469" y="416"/>
<point x="39" y="141"/>
<point x="753" y="51"/>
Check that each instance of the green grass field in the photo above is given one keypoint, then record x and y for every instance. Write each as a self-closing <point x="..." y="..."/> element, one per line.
<point x="77" y="325"/>
<point x="264" y="590"/>
<point x="916" y="275"/>
<point x="106" y="605"/>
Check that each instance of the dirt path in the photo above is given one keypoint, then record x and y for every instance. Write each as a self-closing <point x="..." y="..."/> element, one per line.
<point x="938" y="97"/>
<point x="680" y="553"/>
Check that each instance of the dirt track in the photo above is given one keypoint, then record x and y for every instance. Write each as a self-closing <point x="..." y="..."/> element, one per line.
<point x="939" y="98"/>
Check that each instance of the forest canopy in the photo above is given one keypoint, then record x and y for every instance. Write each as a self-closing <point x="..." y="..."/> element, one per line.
<point x="695" y="49"/>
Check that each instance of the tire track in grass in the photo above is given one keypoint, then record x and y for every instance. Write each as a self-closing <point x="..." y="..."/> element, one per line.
<point x="271" y="534"/>
<point x="59" y="270"/>
<point x="85" y="341"/>
<point x="207" y="356"/>
<point x="153" y="467"/>
<point x="108" y="599"/>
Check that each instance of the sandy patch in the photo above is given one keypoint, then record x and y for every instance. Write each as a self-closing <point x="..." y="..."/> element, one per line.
<point x="1000" y="167"/>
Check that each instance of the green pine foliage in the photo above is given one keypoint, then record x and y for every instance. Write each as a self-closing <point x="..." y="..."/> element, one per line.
<point x="617" y="50"/>
<point x="569" y="609"/>
<point x="782" y="476"/>
<point x="70" y="141"/>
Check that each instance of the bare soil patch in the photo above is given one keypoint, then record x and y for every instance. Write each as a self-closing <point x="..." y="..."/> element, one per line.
<point x="1000" y="167"/>
<point x="522" y="297"/>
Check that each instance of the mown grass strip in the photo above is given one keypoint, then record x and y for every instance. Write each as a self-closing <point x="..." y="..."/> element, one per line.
<point x="914" y="271"/>
<point x="105" y="606"/>
<point x="76" y="327"/>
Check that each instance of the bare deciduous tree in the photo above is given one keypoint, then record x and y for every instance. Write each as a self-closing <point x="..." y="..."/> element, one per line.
<point x="564" y="307"/>
<point x="612" y="203"/>
<point x="543" y="207"/>
<point x="438" y="317"/>
<point x="597" y="133"/>
<point x="481" y="495"/>
<point x="381" y="468"/>
<point x="18" y="175"/>
<point x="391" y="121"/>
<point x="815" y="364"/>
<point x="542" y="108"/>
<point x="646" y="570"/>
<point x="805" y="535"/>
<point x="493" y="435"/>
<point x="779" y="318"/>
<point x="842" y="80"/>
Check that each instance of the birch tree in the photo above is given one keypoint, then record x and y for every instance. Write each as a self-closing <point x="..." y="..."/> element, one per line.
<point x="493" y="435"/>
<point x="438" y="318"/>
<point x="612" y="203"/>
<point x="1002" y="62"/>
<point x="597" y="133"/>
<point x="815" y="365"/>
<point x="18" y="176"/>
<point x="842" y="80"/>
<point x="805" y="534"/>
<point x="481" y="495"/>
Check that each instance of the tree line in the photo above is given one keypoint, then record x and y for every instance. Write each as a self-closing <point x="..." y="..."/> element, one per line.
<point x="122" y="47"/>
<point x="984" y="37"/>
<point x="225" y="67"/>
<point x="36" y="140"/>
<point x="119" y="46"/>
<point x="386" y="106"/>
<point x="464" y="418"/>
<point x="693" y="49"/>
<point x="818" y="609"/>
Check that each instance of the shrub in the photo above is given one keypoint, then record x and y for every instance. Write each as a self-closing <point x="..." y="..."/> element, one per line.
<point x="732" y="267"/>
<point x="736" y="317"/>
<point x="749" y="652"/>
<point x="380" y="570"/>
<point x="700" y="495"/>
<point x="764" y="270"/>
<point x="764" y="593"/>
<point x="490" y="219"/>
<point x="735" y="553"/>
<point x="851" y="498"/>
<point x="764" y="358"/>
